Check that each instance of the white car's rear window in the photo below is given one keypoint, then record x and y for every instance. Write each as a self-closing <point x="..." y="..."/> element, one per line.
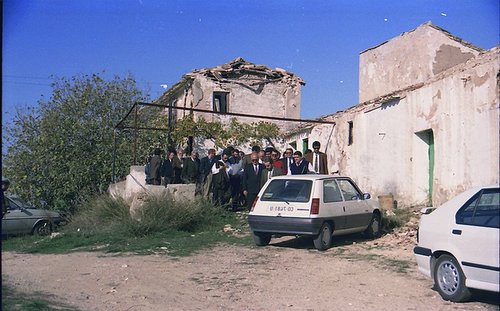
<point x="288" y="190"/>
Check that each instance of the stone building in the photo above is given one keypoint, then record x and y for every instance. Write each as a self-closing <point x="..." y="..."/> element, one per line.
<point x="236" y="87"/>
<point x="427" y="127"/>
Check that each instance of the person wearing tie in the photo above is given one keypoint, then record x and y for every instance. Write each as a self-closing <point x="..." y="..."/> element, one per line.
<point x="270" y="171"/>
<point x="318" y="159"/>
<point x="167" y="169"/>
<point x="250" y="180"/>
<point x="287" y="161"/>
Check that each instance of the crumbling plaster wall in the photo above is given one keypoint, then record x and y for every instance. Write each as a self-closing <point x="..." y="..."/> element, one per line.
<point x="271" y="99"/>
<point x="460" y="106"/>
<point x="412" y="58"/>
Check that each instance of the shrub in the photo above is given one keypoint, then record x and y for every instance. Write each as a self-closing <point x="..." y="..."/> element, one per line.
<point x="400" y="218"/>
<point x="100" y="213"/>
<point x="158" y="214"/>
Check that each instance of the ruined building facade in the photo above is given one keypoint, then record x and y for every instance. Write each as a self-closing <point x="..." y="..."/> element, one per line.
<point x="427" y="127"/>
<point x="236" y="87"/>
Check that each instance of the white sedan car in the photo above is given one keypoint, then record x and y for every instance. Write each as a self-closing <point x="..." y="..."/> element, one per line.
<point x="458" y="243"/>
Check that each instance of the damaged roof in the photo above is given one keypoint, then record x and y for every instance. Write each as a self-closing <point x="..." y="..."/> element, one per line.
<point x="235" y="70"/>
<point x="430" y="24"/>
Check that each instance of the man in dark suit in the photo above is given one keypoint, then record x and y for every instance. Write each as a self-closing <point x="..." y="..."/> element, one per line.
<point x="247" y="158"/>
<point x="191" y="168"/>
<point x="317" y="159"/>
<point x="250" y="180"/>
<point x="270" y="171"/>
<point x="155" y="167"/>
<point x="205" y="167"/>
<point x="167" y="168"/>
<point x="287" y="161"/>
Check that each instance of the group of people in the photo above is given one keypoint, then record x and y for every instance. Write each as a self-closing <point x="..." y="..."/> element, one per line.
<point x="232" y="177"/>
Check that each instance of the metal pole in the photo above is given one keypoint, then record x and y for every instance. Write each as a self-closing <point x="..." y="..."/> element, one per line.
<point x="169" y="137"/>
<point x="135" y="133"/>
<point x="113" y="178"/>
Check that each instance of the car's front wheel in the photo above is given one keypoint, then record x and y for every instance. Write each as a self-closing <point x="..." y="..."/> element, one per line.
<point x="449" y="280"/>
<point x="261" y="239"/>
<point x="324" y="239"/>
<point x="42" y="228"/>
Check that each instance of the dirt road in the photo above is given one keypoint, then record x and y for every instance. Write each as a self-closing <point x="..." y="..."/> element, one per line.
<point x="287" y="275"/>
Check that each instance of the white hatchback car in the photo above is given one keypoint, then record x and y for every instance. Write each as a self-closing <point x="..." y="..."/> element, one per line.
<point x="458" y="243"/>
<point x="312" y="205"/>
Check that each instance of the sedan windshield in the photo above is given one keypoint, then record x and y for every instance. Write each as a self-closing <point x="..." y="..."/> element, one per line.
<point x="288" y="190"/>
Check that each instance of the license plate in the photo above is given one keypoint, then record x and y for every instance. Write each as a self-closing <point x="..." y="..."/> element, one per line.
<point x="281" y="208"/>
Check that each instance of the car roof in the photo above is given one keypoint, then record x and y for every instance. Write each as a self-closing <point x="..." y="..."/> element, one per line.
<point x="309" y="177"/>
<point x="463" y="197"/>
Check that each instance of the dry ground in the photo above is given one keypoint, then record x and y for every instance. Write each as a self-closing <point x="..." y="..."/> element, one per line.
<point x="289" y="274"/>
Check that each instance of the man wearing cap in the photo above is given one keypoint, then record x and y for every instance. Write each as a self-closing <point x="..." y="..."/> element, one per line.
<point x="318" y="159"/>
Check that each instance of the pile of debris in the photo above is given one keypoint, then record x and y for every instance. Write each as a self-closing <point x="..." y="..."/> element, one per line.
<point x="405" y="236"/>
<point x="239" y="69"/>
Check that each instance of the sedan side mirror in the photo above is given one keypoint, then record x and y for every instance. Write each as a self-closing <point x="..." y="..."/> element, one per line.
<point x="366" y="196"/>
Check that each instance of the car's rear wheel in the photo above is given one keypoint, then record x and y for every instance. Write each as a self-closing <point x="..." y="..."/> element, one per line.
<point x="449" y="280"/>
<point x="374" y="229"/>
<point x="261" y="239"/>
<point x="42" y="228"/>
<point x="324" y="239"/>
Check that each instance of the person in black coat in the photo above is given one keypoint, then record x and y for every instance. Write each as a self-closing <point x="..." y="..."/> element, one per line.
<point x="167" y="169"/>
<point x="250" y="180"/>
<point x="155" y="167"/>
<point x="206" y="164"/>
<point x="191" y="169"/>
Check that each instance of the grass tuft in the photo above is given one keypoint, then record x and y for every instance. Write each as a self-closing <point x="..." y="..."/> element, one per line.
<point x="160" y="226"/>
<point x="400" y="218"/>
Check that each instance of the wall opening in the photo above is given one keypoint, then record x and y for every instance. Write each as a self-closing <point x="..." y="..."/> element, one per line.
<point x="305" y="145"/>
<point x="220" y="102"/>
<point x="349" y="133"/>
<point x="427" y="166"/>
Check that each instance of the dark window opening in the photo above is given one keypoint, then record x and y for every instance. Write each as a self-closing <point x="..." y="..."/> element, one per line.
<point x="305" y="145"/>
<point x="221" y="102"/>
<point x="350" y="134"/>
<point x="482" y="210"/>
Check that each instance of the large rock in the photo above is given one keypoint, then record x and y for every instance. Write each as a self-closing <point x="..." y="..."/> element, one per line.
<point x="135" y="191"/>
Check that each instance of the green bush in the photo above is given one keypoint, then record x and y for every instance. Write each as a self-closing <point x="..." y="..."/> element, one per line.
<point x="400" y="217"/>
<point x="99" y="213"/>
<point x="159" y="214"/>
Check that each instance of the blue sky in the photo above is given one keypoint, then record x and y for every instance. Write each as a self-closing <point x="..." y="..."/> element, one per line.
<point x="159" y="41"/>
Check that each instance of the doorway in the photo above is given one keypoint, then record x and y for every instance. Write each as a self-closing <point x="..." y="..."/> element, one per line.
<point x="427" y="137"/>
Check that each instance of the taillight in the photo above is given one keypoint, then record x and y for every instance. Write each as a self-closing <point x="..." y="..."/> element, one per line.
<point x="315" y="207"/>
<point x="254" y="202"/>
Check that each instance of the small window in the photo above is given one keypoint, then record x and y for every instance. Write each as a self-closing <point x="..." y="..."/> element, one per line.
<point x="331" y="191"/>
<point x="483" y="210"/>
<point x="350" y="133"/>
<point x="220" y="102"/>
<point x="349" y="191"/>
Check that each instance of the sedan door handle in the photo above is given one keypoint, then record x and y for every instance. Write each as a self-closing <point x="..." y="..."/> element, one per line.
<point x="456" y="231"/>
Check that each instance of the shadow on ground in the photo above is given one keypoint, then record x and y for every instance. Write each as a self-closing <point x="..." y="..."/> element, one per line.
<point x="304" y="242"/>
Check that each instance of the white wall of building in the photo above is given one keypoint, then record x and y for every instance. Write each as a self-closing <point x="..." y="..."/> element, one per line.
<point x="390" y="149"/>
